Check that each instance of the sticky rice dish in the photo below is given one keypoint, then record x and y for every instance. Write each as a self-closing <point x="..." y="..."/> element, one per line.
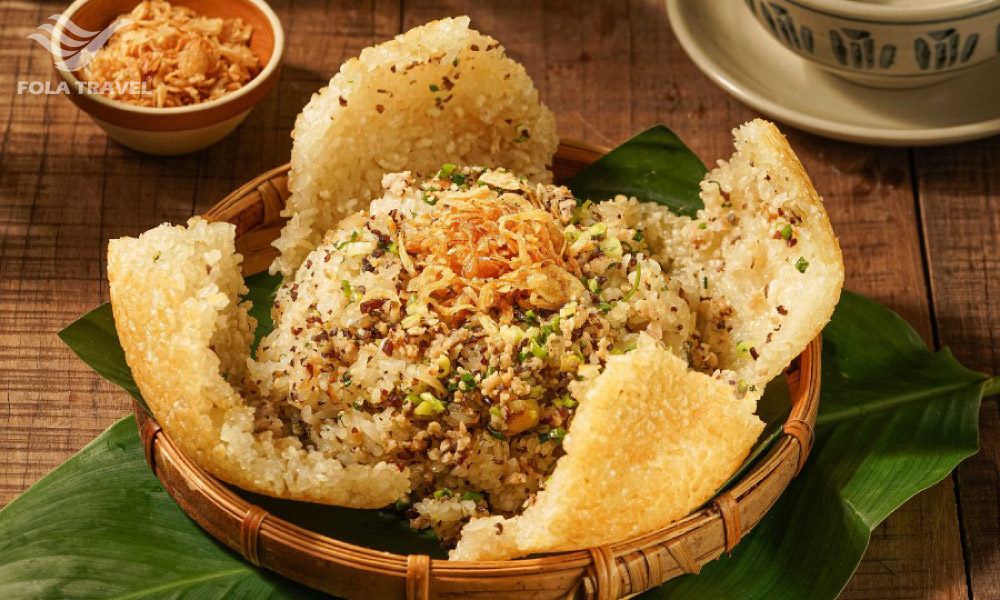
<point x="511" y="367"/>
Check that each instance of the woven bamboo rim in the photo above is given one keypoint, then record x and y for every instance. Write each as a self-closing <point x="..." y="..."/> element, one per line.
<point x="618" y="570"/>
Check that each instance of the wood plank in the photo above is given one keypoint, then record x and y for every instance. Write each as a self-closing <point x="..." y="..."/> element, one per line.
<point x="50" y="265"/>
<point x="608" y="69"/>
<point x="960" y="204"/>
<point x="65" y="189"/>
<point x="577" y="58"/>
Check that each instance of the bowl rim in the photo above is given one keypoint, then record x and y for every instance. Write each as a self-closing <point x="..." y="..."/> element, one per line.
<point x="869" y="12"/>
<point x="265" y="74"/>
<point x="731" y="82"/>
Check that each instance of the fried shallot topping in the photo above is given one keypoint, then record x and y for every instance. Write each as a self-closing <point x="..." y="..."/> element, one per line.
<point x="480" y="251"/>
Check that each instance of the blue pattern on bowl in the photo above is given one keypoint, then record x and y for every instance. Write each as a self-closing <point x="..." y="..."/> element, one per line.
<point x="941" y="51"/>
<point x="892" y="51"/>
<point x="783" y="27"/>
<point x="855" y="49"/>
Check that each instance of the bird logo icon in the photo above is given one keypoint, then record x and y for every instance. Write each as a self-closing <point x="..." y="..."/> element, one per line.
<point x="75" y="47"/>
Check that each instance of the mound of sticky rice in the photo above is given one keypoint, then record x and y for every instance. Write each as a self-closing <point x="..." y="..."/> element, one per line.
<point x="439" y="93"/>
<point x="446" y="329"/>
<point x="515" y="369"/>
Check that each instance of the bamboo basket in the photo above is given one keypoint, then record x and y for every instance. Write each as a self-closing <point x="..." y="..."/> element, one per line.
<point x="618" y="570"/>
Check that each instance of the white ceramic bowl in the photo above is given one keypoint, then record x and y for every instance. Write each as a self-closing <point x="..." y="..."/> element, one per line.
<point x="886" y="43"/>
<point x="180" y="130"/>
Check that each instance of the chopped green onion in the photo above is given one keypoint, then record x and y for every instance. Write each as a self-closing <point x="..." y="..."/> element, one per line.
<point x="593" y="285"/>
<point x="627" y="348"/>
<point x="704" y="282"/>
<point x="346" y="379"/>
<point x="743" y="348"/>
<point x="413" y="398"/>
<point x="394" y="249"/>
<point x="538" y="350"/>
<point x="566" y="401"/>
<point x="354" y="238"/>
<point x="555" y="435"/>
<point x="402" y="504"/>
<point x="802" y="264"/>
<point x="345" y="285"/>
<point x="458" y="179"/>
<point x="428" y="199"/>
<point x="742" y="386"/>
<point x="443" y="365"/>
<point x="612" y="248"/>
<point x="429" y="405"/>
<point x="454" y="63"/>
<point x="434" y="88"/>
<point x="530" y="318"/>
<point x="468" y="382"/>
<point x="786" y="231"/>
<point x="702" y="225"/>
<point x="442" y="493"/>
<point x="567" y="311"/>
<point x="446" y="170"/>
<point x="606" y="306"/>
<point x="474" y="496"/>
<point x="496" y="434"/>
<point x="358" y="405"/>
<point x="598" y="229"/>
<point x="638" y="235"/>
<point x="638" y="278"/>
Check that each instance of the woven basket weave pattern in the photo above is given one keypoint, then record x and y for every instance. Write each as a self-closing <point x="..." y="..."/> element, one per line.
<point x="609" y="572"/>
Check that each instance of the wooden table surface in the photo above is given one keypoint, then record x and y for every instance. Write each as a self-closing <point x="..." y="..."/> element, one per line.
<point x="919" y="228"/>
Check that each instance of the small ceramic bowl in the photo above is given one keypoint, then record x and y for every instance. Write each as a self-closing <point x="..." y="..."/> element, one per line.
<point x="886" y="43"/>
<point x="179" y="130"/>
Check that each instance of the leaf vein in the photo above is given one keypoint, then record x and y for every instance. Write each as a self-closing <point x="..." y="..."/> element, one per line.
<point x="179" y="583"/>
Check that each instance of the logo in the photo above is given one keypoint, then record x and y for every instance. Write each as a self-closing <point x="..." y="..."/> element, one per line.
<point x="77" y="49"/>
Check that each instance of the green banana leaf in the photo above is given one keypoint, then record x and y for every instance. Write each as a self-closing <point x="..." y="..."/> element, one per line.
<point x="262" y="288"/>
<point x="894" y="419"/>
<point x="102" y="526"/>
<point x="94" y="339"/>
<point x="654" y="166"/>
